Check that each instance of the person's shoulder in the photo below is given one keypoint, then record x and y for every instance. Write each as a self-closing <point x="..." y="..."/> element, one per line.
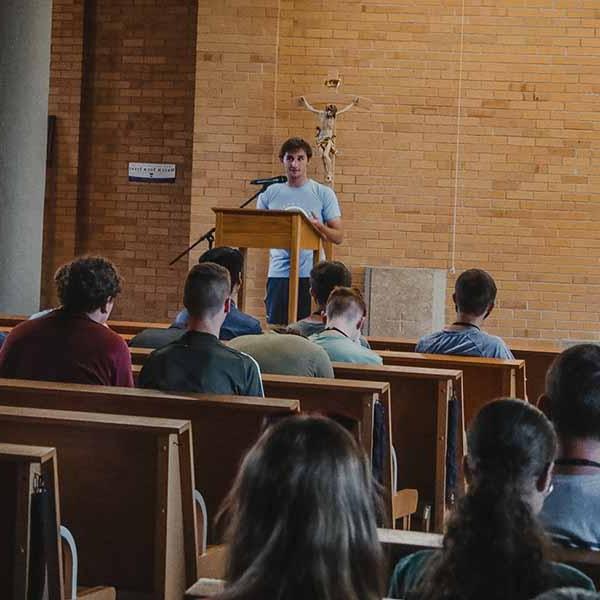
<point x="321" y="189"/>
<point x="568" y="576"/>
<point x="426" y="340"/>
<point x="409" y="572"/>
<point x="494" y="346"/>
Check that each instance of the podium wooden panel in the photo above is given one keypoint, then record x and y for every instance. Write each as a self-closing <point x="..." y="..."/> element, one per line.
<point x="249" y="228"/>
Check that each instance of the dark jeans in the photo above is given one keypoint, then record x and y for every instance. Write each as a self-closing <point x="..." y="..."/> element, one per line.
<point x="276" y="301"/>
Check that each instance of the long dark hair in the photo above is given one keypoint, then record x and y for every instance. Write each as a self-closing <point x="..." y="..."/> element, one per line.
<point x="302" y="518"/>
<point x="494" y="546"/>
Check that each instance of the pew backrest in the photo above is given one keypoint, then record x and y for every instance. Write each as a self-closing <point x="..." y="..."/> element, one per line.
<point x="484" y="379"/>
<point x="537" y="356"/>
<point x="126" y="492"/>
<point x="223" y="427"/>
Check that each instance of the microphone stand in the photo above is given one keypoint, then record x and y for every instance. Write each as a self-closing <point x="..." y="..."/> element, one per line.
<point x="209" y="236"/>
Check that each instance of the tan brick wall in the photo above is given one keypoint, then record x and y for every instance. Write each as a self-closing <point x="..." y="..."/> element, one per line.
<point x="529" y="144"/>
<point x="137" y="105"/>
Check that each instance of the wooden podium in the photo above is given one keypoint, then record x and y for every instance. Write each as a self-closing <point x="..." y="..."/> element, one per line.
<point x="248" y="228"/>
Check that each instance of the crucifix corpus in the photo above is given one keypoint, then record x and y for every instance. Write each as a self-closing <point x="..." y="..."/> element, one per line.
<point x="325" y="130"/>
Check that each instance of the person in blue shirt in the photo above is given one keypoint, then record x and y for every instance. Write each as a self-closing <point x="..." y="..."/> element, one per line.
<point x="237" y="322"/>
<point x="474" y="297"/>
<point x="320" y="205"/>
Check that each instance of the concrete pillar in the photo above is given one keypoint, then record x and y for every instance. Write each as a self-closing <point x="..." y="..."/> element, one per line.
<point x="24" y="82"/>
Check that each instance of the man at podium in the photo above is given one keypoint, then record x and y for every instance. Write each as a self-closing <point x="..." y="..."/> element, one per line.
<point x="320" y="205"/>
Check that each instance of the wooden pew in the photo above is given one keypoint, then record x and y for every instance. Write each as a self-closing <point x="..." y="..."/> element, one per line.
<point x="20" y="466"/>
<point x="421" y="403"/>
<point x="484" y="379"/>
<point x="223" y="427"/>
<point x="126" y="488"/>
<point x="538" y="357"/>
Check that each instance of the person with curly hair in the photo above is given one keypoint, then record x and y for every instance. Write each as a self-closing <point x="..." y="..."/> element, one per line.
<point x="302" y="518"/>
<point x="494" y="547"/>
<point x="73" y="344"/>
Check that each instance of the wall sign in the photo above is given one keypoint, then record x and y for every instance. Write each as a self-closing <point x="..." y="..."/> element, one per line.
<point x="152" y="172"/>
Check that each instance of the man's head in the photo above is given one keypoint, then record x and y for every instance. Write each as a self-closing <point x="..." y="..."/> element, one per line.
<point x="206" y="292"/>
<point x="474" y="293"/>
<point x="231" y="259"/>
<point x="572" y="397"/>
<point x="325" y="276"/>
<point x="295" y="154"/>
<point x="347" y="306"/>
<point x="87" y="285"/>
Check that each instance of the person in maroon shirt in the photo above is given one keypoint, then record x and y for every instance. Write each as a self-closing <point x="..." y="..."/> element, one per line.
<point x="73" y="344"/>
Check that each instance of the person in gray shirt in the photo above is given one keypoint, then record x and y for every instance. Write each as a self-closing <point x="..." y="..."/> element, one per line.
<point x="285" y="354"/>
<point x="474" y="297"/>
<point x="572" y="401"/>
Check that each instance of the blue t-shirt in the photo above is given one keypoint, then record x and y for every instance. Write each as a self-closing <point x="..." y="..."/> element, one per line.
<point x="312" y="197"/>
<point x="466" y="342"/>
<point x="236" y="323"/>
<point x="2" y="338"/>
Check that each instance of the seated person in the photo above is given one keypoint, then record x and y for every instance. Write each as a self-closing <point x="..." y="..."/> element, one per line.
<point x="345" y="314"/>
<point x="572" y="400"/>
<point x="237" y="322"/>
<point x="324" y="277"/>
<point x="285" y="354"/>
<point x="302" y="517"/>
<point x="474" y="297"/>
<point x="493" y="546"/>
<point x="198" y="361"/>
<point x="568" y="594"/>
<point x="72" y="343"/>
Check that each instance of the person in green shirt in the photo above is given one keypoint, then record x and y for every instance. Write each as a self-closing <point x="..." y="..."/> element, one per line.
<point x="494" y="546"/>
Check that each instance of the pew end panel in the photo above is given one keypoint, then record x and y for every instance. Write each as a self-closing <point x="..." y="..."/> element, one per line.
<point x="119" y="495"/>
<point x="22" y="469"/>
<point x="422" y="403"/>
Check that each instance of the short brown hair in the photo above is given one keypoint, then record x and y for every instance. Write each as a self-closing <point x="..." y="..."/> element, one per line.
<point x="342" y="300"/>
<point x="207" y="286"/>
<point x="294" y="144"/>
<point x="474" y="291"/>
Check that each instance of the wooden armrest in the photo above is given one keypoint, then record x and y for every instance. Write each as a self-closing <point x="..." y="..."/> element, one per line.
<point x="205" y="588"/>
<point x="96" y="593"/>
<point x="404" y="504"/>
<point x="211" y="564"/>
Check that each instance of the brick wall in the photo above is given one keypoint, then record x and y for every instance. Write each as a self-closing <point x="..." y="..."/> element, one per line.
<point x="528" y="143"/>
<point x="134" y="89"/>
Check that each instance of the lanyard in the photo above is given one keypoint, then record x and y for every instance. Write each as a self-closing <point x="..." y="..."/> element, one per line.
<point x="463" y="324"/>
<point x="335" y="329"/>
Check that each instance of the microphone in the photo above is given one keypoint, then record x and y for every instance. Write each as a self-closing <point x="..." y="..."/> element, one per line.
<point x="269" y="180"/>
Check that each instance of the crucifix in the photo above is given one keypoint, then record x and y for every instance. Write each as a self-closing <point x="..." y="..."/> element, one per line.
<point x="325" y="130"/>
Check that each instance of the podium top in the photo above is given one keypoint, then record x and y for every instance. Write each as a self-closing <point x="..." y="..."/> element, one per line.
<point x="258" y="212"/>
<point x="253" y="228"/>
